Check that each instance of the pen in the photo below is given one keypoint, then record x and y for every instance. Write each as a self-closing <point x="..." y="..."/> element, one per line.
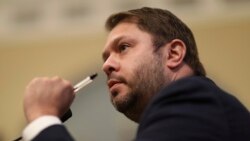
<point x="84" y="82"/>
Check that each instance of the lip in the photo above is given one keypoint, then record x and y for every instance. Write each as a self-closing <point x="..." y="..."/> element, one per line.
<point x="112" y="82"/>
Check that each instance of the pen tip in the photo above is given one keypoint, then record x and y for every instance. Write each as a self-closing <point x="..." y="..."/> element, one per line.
<point x="93" y="76"/>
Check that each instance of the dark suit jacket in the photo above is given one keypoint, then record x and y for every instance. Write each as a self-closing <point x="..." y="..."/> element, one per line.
<point x="190" y="109"/>
<point x="194" y="109"/>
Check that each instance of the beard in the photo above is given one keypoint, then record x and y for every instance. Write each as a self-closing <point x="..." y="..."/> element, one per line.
<point x="147" y="80"/>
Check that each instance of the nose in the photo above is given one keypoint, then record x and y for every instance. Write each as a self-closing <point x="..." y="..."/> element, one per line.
<point x="110" y="65"/>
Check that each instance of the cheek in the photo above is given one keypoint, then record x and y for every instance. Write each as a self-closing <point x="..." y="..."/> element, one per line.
<point x="137" y="77"/>
<point x="131" y="67"/>
<point x="130" y="71"/>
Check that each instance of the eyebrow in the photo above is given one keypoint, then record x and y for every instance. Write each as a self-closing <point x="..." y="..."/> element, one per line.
<point x="105" y="53"/>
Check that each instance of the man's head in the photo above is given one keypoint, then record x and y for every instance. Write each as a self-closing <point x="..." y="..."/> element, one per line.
<point x="163" y="27"/>
<point x="146" y="50"/>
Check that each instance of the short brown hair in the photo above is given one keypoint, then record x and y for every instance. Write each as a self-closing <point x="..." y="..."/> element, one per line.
<point x="164" y="27"/>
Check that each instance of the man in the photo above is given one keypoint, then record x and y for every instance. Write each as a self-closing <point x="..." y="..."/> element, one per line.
<point x="155" y="78"/>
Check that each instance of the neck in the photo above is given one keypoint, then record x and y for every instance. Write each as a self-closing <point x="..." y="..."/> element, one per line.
<point x="181" y="72"/>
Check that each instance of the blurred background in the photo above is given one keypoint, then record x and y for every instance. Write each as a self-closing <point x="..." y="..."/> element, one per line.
<point x="65" y="38"/>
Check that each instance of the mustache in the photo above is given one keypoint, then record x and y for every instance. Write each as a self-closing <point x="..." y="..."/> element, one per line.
<point x="116" y="77"/>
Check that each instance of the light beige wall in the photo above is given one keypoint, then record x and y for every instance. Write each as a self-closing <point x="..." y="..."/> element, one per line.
<point x="20" y="61"/>
<point x="224" y="50"/>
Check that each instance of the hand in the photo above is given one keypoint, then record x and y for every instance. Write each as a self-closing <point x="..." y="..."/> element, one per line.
<point x="47" y="96"/>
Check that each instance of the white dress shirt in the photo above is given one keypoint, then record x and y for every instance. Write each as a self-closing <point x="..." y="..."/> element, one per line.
<point x="38" y="125"/>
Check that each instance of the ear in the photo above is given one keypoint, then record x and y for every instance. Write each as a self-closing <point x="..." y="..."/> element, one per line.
<point x="176" y="53"/>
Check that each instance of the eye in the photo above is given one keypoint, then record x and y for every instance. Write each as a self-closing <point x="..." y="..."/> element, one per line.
<point x="123" y="47"/>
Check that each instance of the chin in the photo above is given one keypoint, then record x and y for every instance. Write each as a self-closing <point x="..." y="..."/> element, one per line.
<point x="121" y="100"/>
<point x="128" y="105"/>
<point x="120" y="103"/>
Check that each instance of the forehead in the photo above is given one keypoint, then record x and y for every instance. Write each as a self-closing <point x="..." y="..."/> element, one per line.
<point x="126" y="30"/>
